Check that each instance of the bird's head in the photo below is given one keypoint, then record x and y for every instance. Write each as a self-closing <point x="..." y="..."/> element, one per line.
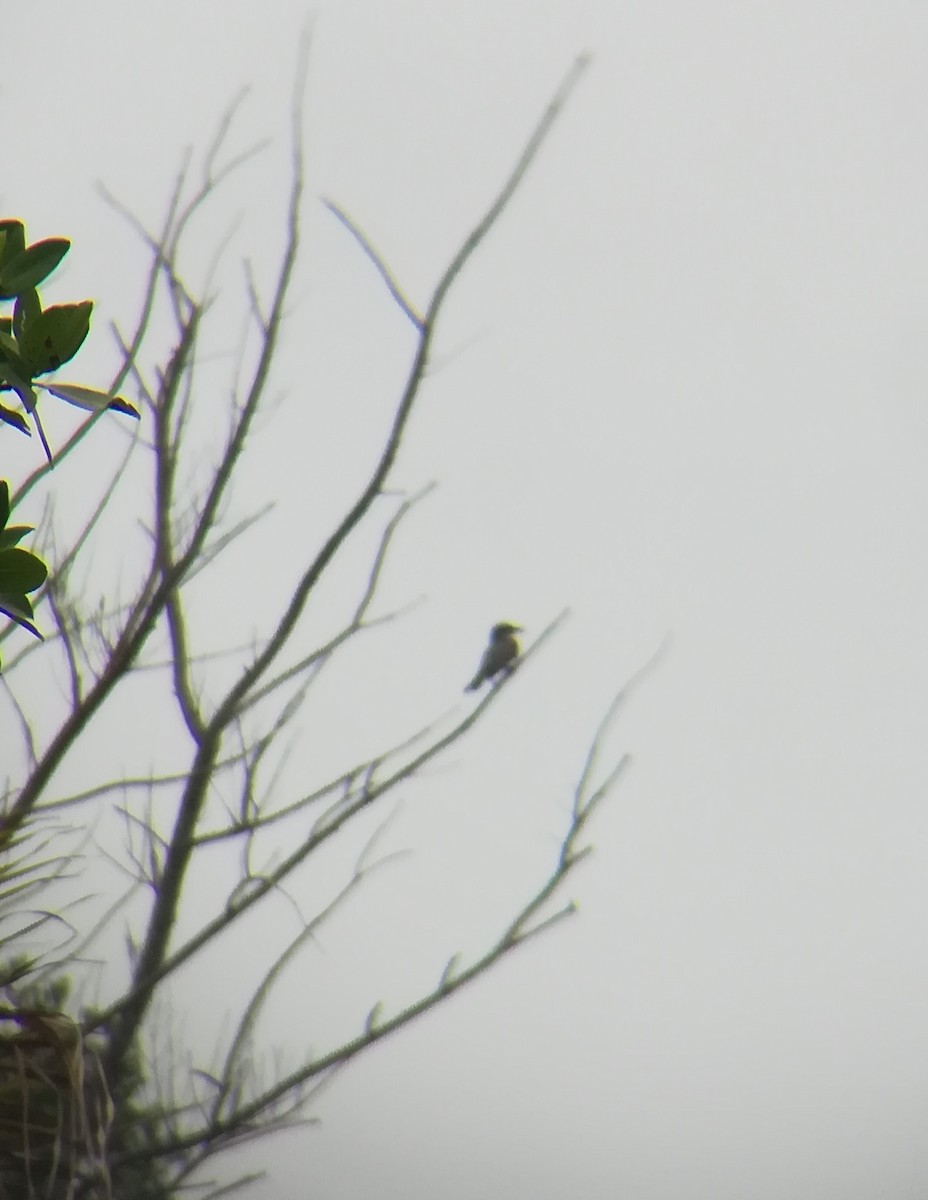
<point x="504" y="629"/>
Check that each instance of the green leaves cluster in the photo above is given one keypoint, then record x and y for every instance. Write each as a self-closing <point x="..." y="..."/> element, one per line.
<point x="36" y="340"/>
<point x="33" y="342"/>
<point x="20" y="571"/>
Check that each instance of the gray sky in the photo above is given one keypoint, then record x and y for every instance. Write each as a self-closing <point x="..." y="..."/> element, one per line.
<point x="682" y="390"/>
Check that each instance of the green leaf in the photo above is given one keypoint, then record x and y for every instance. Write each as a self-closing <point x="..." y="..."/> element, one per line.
<point x="88" y="398"/>
<point x="28" y="268"/>
<point x="20" y="603"/>
<point x="4" y="503"/>
<point x="13" y="534"/>
<point x="21" y="571"/>
<point x="54" y="336"/>
<point x="11" y="417"/>
<point x="12" y="240"/>
<point x="9" y="347"/>
<point x="22" y="387"/>
<point x="28" y="307"/>
<point x="15" y="372"/>
<point x="18" y="609"/>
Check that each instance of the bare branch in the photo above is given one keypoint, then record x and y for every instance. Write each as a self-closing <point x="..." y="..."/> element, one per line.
<point x="318" y="657"/>
<point x="520" y="930"/>
<point x="240" y="1041"/>
<point x="228" y="784"/>
<point x="366" y="245"/>
<point x="129" y="783"/>
<point x="67" y="642"/>
<point x="208" y="737"/>
<point x="381" y="472"/>
<point x="582" y="798"/>
<point x="357" y="798"/>
<point x="25" y="726"/>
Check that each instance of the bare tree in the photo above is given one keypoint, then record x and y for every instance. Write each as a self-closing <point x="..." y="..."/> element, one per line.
<point x="106" y="1128"/>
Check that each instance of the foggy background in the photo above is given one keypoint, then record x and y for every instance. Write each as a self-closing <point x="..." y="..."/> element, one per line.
<point x="680" y="389"/>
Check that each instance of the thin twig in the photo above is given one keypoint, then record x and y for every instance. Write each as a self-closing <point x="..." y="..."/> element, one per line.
<point x="384" y="271"/>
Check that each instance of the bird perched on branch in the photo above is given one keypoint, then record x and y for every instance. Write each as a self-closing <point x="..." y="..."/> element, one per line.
<point x="500" y="654"/>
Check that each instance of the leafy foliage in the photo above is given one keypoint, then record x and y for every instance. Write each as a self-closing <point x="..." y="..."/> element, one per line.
<point x="21" y="571"/>
<point x="37" y="340"/>
<point x="33" y="342"/>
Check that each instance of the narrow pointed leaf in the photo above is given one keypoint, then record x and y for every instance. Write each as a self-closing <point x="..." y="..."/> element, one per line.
<point x="19" y="604"/>
<point x="13" y="534"/>
<point x="11" y="417"/>
<point x="15" y="608"/>
<point x="20" y="385"/>
<point x="89" y="398"/>
<point x="42" y="438"/>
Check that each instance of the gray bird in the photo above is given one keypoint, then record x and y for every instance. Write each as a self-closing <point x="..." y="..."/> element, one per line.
<point x="500" y="654"/>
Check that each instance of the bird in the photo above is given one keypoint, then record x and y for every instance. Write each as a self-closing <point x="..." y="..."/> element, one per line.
<point x="500" y="654"/>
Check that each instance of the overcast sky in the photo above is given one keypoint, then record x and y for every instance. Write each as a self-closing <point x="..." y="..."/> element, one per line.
<point x="682" y="390"/>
